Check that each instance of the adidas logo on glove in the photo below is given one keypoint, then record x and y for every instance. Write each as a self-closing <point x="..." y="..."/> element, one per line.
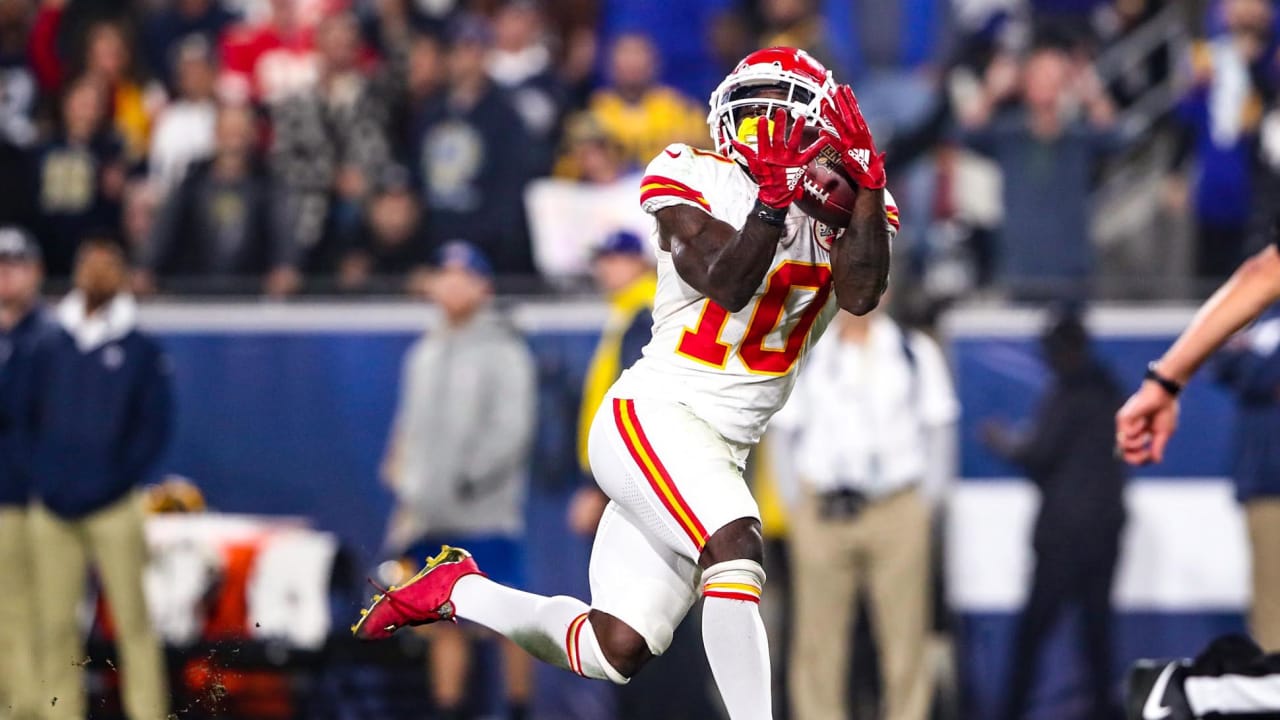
<point x="862" y="156"/>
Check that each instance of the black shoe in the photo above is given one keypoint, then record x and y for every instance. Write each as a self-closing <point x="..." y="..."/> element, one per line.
<point x="1154" y="691"/>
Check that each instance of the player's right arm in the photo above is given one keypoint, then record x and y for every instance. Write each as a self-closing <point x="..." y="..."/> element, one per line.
<point x="722" y="263"/>
<point x="1146" y="422"/>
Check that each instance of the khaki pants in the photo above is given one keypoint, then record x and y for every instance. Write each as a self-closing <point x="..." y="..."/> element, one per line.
<point x="112" y="540"/>
<point x="886" y="550"/>
<point x="19" y="699"/>
<point x="1263" y="515"/>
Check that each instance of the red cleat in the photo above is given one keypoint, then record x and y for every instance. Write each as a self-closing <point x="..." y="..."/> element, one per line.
<point x="421" y="601"/>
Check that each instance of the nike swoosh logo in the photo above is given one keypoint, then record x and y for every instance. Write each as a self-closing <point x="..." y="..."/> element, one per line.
<point x="672" y="154"/>
<point x="1154" y="708"/>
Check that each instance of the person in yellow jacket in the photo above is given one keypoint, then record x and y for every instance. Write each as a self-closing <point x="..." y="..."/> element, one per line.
<point x="638" y="113"/>
<point x="624" y="274"/>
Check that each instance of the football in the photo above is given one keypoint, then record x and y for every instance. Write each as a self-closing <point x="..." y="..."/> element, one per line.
<point x="828" y="192"/>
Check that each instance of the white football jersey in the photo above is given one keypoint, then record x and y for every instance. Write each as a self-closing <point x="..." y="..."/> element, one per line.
<point x="734" y="370"/>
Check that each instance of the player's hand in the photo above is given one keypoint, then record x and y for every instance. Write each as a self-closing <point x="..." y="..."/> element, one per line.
<point x="777" y="161"/>
<point x="1145" y="424"/>
<point x="853" y="139"/>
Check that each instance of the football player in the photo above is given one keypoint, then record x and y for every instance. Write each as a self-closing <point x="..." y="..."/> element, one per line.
<point x="746" y="283"/>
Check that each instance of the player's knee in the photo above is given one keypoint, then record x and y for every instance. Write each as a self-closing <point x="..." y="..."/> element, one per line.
<point x="741" y="580"/>
<point x="739" y="540"/>
<point x="623" y="648"/>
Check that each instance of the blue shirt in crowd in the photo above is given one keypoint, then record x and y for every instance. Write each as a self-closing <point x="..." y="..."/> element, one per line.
<point x="1045" y="247"/>
<point x="1224" y="171"/>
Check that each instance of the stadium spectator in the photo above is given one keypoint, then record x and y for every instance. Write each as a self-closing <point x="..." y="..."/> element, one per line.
<point x="59" y="36"/>
<point x="175" y="24"/>
<point x="138" y="215"/>
<point x="641" y="115"/>
<point x="520" y="63"/>
<point x="796" y="23"/>
<point x="391" y="242"/>
<point x="391" y="34"/>
<point x="1072" y="19"/>
<point x="96" y="422"/>
<point x="223" y="221"/>
<point x="1069" y="453"/>
<point x="861" y="505"/>
<point x="268" y="60"/>
<point x="23" y="323"/>
<point x="593" y="197"/>
<point x="389" y="29"/>
<point x="80" y="177"/>
<point x="1046" y="156"/>
<point x="424" y="78"/>
<point x="577" y="66"/>
<point x="1220" y="116"/>
<point x="1250" y="368"/>
<point x="19" y="95"/>
<point x="329" y="144"/>
<point x="591" y="154"/>
<point x="956" y="197"/>
<point x="184" y="128"/>
<point x="19" y="204"/>
<point x="44" y="61"/>
<point x="684" y="35"/>
<point x="474" y="155"/>
<point x="458" y="457"/>
<point x="109" y="61"/>
<point x="892" y="51"/>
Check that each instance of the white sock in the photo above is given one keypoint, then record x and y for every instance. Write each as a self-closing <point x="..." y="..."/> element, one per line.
<point x="734" y="637"/>
<point x="553" y="629"/>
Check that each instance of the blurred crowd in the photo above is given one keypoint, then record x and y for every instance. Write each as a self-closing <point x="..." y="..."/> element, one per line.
<point x="284" y="146"/>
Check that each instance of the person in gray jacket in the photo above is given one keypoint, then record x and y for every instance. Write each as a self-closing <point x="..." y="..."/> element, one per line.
<point x="458" y="456"/>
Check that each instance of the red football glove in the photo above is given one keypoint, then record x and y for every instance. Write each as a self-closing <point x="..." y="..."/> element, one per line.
<point x="857" y="150"/>
<point x="777" y="162"/>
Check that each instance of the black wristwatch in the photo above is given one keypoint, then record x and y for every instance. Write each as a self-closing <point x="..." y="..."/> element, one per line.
<point x="1173" y="387"/>
<point x="776" y="217"/>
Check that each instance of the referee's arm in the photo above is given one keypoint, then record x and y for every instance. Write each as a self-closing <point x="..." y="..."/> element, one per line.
<point x="1150" y="417"/>
<point x="1249" y="291"/>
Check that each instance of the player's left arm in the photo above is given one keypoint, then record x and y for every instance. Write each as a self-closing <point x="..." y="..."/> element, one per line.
<point x="860" y="256"/>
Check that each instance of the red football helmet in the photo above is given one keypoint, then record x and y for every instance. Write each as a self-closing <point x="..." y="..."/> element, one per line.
<point x="803" y="80"/>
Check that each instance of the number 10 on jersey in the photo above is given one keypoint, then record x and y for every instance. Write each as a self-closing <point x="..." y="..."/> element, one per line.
<point x="703" y="343"/>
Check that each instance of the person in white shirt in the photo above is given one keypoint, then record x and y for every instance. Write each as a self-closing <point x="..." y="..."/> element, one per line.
<point x="863" y="449"/>
<point x="184" y="130"/>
